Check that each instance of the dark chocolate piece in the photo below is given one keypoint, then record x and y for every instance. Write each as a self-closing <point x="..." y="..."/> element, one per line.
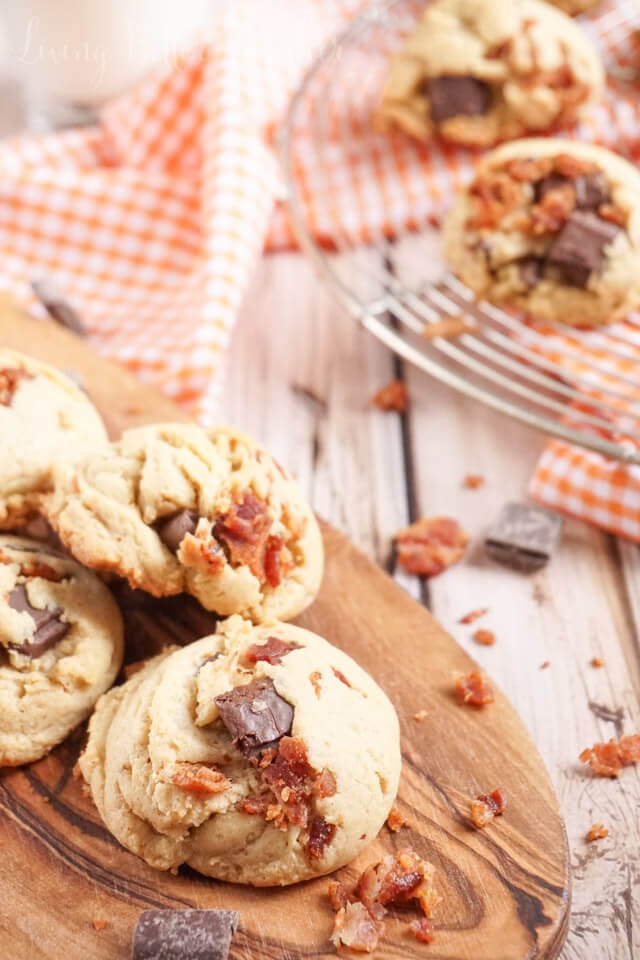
<point x="591" y="189"/>
<point x="49" y="628"/>
<point x="255" y="715"/>
<point x="59" y="309"/>
<point x="524" y="536"/>
<point x="531" y="270"/>
<point x="184" y="934"/>
<point x="172" y="530"/>
<point x="579" y="249"/>
<point x="455" y="96"/>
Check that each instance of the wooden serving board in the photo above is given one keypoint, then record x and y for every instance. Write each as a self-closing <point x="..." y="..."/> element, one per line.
<point x="505" y="889"/>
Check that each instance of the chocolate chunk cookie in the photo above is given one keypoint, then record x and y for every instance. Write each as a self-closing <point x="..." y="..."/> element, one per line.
<point x="43" y="417"/>
<point x="260" y="755"/>
<point x="478" y="71"/>
<point x="552" y="227"/>
<point x="176" y="508"/>
<point x="60" y="647"/>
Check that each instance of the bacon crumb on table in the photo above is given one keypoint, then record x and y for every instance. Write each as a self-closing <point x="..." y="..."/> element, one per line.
<point x="596" y="662"/>
<point x="597" y="831"/>
<point x="545" y="664"/>
<point x="474" y="615"/>
<point x="486" y="806"/>
<point x="473" y="481"/>
<point x="98" y="923"/>
<point x="396" y="821"/>
<point x="608" y="759"/>
<point x="486" y="638"/>
<point x="430" y="545"/>
<point x="422" y="929"/>
<point x="474" y="689"/>
<point x="392" y="397"/>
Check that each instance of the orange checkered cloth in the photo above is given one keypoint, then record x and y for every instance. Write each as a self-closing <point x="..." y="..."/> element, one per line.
<point x="152" y="222"/>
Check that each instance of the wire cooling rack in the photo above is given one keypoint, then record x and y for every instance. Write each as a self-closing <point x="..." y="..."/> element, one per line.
<point x="582" y="386"/>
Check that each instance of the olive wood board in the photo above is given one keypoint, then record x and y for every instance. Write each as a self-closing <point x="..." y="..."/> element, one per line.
<point x="505" y="889"/>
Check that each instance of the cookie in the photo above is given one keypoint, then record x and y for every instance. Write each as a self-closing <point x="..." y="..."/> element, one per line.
<point x="552" y="227"/>
<point x="478" y="71"/>
<point x="259" y="755"/>
<point x="43" y="417"/>
<point x="175" y="508"/>
<point x="61" y="645"/>
<point x="574" y="7"/>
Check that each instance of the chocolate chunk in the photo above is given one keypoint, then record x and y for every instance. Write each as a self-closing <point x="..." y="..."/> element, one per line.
<point x="591" y="189"/>
<point x="47" y="292"/>
<point x="172" y="530"/>
<point x="49" y="628"/>
<point x="531" y="270"/>
<point x="579" y="249"/>
<point x="524" y="536"/>
<point x="184" y="934"/>
<point x="455" y="96"/>
<point x="255" y="715"/>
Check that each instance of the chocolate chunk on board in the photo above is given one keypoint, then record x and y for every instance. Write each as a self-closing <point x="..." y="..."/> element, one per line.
<point x="49" y="628"/>
<point x="524" y="536"/>
<point x="172" y="530"/>
<point x="255" y="715"/>
<point x="184" y="934"/>
<point x="456" y="96"/>
<point x="579" y="250"/>
<point x="59" y="309"/>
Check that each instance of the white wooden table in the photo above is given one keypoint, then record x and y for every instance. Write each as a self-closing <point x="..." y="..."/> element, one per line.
<point x="300" y="375"/>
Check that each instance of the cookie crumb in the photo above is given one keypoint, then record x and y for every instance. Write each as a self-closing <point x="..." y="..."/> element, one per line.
<point x="420" y="715"/>
<point x="396" y="821"/>
<point x="597" y="831"/>
<point x="486" y="638"/>
<point x="392" y="397"/>
<point x="596" y="662"/>
<point x="473" y="481"/>
<point x="474" y="615"/>
<point x="98" y="923"/>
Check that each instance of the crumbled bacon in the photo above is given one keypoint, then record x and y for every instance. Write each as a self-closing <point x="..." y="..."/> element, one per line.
<point x="393" y="396"/>
<point x="277" y="561"/>
<point x="255" y="805"/>
<point x="244" y="531"/>
<point x="98" y="923"/>
<point x="339" y="894"/>
<point x="553" y="211"/>
<point x="321" y="834"/>
<point x="545" y="664"/>
<point x="326" y="785"/>
<point x="597" y="831"/>
<point x="396" y="879"/>
<point x="341" y="677"/>
<point x="596" y="662"/>
<point x="608" y="759"/>
<point x="354" y="927"/>
<point x="198" y="777"/>
<point x="529" y="169"/>
<point x="486" y="806"/>
<point x="566" y="165"/>
<point x="316" y="682"/>
<point x="474" y="615"/>
<point x="494" y="195"/>
<point x="10" y="378"/>
<point x="396" y="821"/>
<point x="485" y="638"/>
<point x="271" y="651"/>
<point x="430" y="545"/>
<point x="473" y="688"/>
<point x="422" y="929"/>
<point x="606" y="211"/>
<point x="292" y="779"/>
<point x="34" y="568"/>
<point x="473" y="481"/>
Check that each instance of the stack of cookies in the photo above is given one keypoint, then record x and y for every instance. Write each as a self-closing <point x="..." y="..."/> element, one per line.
<point x="549" y="226"/>
<point x="258" y="754"/>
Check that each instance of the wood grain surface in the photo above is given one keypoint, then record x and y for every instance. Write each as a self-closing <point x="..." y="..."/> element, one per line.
<point x="505" y="889"/>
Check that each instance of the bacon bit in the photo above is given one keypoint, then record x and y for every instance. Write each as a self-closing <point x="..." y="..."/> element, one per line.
<point x="433" y="221"/>
<point x="272" y="572"/>
<point x="608" y="759"/>
<point x="494" y="195"/>
<point x="396" y="879"/>
<point x="566" y="165"/>
<point x="326" y="785"/>
<point x="545" y="664"/>
<point x="596" y="662"/>
<point x="198" y="778"/>
<point x="422" y="929"/>
<point x="396" y="821"/>
<point x="316" y="682"/>
<point x="10" y="378"/>
<point x="291" y="778"/>
<point x="420" y="715"/>
<point x="472" y="481"/>
<point x="613" y="214"/>
<point x="473" y="688"/>
<point x="256" y="805"/>
<point x="485" y="638"/>
<point x="272" y="651"/>
<point x="393" y="396"/>
<point x="430" y="545"/>
<point x="341" y="677"/>
<point x="448" y="327"/>
<point x="487" y="806"/>
<point x="354" y="927"/>
<point x="98" y="923"/>
<point x="42" y="570"/>
<point x="244" y="531"/>
<point x="474" y="615"/>
<point x="321" y="834"/>
<point x="528" y="169"/>
<point x="597" y="831"/>
<point x="339" y="894"/>
<point x="553" y="211"/>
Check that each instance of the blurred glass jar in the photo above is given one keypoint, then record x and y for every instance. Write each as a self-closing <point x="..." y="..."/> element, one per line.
<point x="73" y="55"/>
